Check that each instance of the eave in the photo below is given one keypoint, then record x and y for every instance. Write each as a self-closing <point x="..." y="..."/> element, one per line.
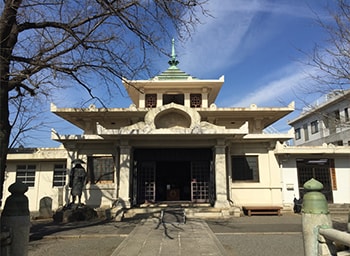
<point x="137" y="87"/>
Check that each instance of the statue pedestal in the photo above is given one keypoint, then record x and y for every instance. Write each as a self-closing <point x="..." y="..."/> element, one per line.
<point x="74" y="213"/>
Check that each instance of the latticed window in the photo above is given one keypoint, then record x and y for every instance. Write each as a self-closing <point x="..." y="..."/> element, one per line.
<point x="26" y="174"/>
<point x="151" y="100"/>
<point x="59" y="175"/>
<point x="196" y="100"/>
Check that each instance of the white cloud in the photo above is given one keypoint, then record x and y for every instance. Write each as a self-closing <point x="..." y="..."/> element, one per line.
<point x="284" y="85"/>
<point x="227" y="38"/>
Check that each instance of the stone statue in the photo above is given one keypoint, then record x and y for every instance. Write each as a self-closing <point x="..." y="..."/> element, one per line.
<point x="77" y="182"/>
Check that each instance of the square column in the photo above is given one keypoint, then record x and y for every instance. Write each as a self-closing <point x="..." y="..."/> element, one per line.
<point x="220" y="177"/>
<point x="124" y="176"/>
<point x="205" y="98"/>
<point x="159" y="99"/>
<point x="187" y="102"/>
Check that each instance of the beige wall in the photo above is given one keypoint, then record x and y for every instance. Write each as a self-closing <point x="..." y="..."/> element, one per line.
<point x="268" y="190"/>
<point x="43" y="183"/>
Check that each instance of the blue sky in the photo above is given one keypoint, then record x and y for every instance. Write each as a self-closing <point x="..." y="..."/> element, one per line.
<point x="254" y="44"/>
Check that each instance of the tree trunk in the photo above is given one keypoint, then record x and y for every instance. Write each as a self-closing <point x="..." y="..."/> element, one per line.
<point x="8" y="39"/>
<point x="5" y="130"/>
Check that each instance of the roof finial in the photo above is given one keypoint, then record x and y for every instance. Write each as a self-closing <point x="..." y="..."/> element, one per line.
<point x="173" y="61"/>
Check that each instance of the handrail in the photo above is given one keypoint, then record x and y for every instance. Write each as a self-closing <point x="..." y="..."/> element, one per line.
<point x="335" y="235"/>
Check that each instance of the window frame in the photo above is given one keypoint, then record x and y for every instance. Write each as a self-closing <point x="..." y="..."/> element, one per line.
<point x="297" y="132"/>
<point x="59" y="179"/>
<point x="28" y="172"/>
<point x="174" y="98"/>
<point x="97" y="176"/>
<point x="346" y="115"/>
<point x="196" y="100"/>
<point x="314" y="127"/>
<point x="151" y="100"/>
<point x="245" y="175"/>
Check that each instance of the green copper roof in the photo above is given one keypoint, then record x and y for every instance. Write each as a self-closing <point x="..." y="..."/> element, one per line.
<point x="173" y="72"/>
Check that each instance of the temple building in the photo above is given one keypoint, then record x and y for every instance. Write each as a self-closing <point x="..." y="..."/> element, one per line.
<point x="172" y="145"/>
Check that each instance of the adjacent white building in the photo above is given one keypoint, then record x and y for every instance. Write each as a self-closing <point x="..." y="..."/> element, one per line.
<point x="325" y="121"/>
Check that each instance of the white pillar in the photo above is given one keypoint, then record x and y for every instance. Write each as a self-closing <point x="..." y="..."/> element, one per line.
<point x="159" y="99"/>
<point x="204" y="98"/>
<point x="141" y="100"/>
<point x="220" y="177"/>
<point x="124" y="175"/>
<point x="187" y="102"/>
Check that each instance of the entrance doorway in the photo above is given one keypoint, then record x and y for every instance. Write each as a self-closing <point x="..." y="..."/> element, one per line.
<point x="173" y="175"/>
<point x="173" y="181"/>
<point x="318" y="169"/>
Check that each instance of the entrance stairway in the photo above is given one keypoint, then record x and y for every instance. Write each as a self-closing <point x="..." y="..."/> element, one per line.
<point x="189" y="210"/>
<point x="339" y="209"/>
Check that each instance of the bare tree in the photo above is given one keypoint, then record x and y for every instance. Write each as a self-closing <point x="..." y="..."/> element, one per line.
<point x="43" y="42"/>
<point x="331" y="59"/>
<point x="330" y="66"/>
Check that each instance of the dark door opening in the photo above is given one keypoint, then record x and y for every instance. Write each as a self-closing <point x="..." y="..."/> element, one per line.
<point x="173" y="181"/>
<point x="180" y="174"/>
<point x="318" y="169"/>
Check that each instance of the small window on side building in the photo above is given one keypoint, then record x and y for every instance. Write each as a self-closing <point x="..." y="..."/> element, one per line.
<point x="346" y="114"/>
<point x="314" y="127"/>
<point x="297" y="134"/>
<point x="59" y="175"/>
<point x="26" y="174"/>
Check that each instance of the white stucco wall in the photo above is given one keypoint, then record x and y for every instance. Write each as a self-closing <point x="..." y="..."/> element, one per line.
<point x="342" y="170"/>
<point x="290" y="179"/>
<point x="268" y="190"/>
<point x="290" y="188"/>
<point x="43" y="186"/>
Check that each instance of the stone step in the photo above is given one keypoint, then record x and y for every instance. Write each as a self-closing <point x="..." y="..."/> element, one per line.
<point x="190" y="212"/>
<point x="339" y="208"/>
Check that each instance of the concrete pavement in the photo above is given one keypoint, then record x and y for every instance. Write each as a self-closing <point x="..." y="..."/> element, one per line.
<point x="257" y="235"/>
<point x="152" y="238"/>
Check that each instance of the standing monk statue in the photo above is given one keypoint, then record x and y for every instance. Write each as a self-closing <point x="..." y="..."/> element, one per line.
<point x="77" y="182"/>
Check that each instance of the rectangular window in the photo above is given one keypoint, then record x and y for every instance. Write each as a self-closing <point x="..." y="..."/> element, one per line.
<point x="346" y="114"/>
<point x="151" y="100"/>
<point x="26" y="174"/>
<point x="175" y="98"/>
<point x="297" y="134"/>
<point x="338" y="143"/>
<point x="101" y="169"/>
<point x="337" y="116"/>
<point x="306" y="132"/>
<point x="314" y="127"/>
<point x="59" y="175"/>
<point x="196" y="100"/>
<point x="245" y="168"/>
